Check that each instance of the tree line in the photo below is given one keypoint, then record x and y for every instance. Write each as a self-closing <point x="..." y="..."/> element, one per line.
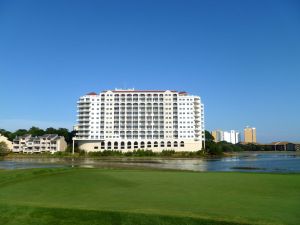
<point x="36" y="131"/>
<point x="211" y="147"/>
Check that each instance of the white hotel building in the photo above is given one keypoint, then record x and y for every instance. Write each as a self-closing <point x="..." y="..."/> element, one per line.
<point x="231" y="136"/>
<point x="131" y="119"/>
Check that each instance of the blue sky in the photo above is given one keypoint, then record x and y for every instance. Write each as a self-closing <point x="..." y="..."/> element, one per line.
<point x="241" y="57"/>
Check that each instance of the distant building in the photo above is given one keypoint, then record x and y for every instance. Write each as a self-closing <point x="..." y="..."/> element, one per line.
<point x="46" y="143"/>
<point x="75" y="128"/>
<point x="6" y="141"/>
<point x="218" y="135"/>
<point x="283" y="146"/>
<point x="297" y="146"/>
<point x="228" y="136"/>
<point x="250" y="135"/>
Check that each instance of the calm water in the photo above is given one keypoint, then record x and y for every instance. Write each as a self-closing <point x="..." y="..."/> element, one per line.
<point x="246" y="162"/>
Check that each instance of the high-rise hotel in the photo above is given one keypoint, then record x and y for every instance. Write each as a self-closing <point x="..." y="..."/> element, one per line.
<point x="250" y="135"/>
<point x="140" y="119"/>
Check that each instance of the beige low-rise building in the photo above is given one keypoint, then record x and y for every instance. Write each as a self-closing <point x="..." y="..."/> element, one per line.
<point x="46" y="143"/>
<point x="6" y="141"/>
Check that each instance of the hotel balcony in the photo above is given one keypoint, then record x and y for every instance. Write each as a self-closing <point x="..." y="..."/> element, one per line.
<point x="83" y="119"/>
<point x="84" y="110"/>
<point x="83" y="103"/>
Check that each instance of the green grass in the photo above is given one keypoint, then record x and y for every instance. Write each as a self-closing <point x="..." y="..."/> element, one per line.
<point x="99" y="196"/>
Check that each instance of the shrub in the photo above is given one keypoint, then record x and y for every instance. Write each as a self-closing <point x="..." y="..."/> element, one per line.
<point x="141" y="153"/>
<point x="167" y="152"/>
<point x="3" y="148"/>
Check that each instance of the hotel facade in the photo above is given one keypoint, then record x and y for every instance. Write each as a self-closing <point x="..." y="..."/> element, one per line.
<point x="139" y="119"/>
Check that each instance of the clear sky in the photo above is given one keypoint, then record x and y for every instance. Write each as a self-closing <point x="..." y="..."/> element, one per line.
<point x="242" y="57"/>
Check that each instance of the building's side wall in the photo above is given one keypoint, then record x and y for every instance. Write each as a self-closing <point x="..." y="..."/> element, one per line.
<point x="62" y="144"/>
<point x="254" y="135"/>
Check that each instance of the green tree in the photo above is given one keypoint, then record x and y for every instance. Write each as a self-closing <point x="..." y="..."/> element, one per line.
<point x="208" y="136"/>
<point x="61" y="132"/>
<point x="50" y="130"/>
<point x="3" y="148"/>
<point x="35" y="131"/>
<point x="18" y="133"/>
<point x="64" y="132"/>
<point x="213" y="148"/>
<point x="5" y="133"/>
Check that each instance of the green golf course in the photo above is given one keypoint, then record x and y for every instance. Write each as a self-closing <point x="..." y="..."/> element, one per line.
<point x="115" y="196"/>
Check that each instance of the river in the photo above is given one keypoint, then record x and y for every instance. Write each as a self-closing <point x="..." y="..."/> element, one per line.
<point x="274" y="162"/>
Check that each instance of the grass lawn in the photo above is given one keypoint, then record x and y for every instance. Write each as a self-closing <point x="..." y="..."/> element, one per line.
<point x="109" y="197"/>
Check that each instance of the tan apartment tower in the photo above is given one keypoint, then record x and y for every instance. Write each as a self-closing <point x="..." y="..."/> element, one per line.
<point x="250" y="135"/>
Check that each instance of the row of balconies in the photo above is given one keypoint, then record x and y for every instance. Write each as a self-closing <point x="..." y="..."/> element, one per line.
<point x="141" y="136"/>
<point x="116" y="107"/>
<point x="129" y="114"/>
<point x="140" y="105"/>
<point x="138" y="124"/>
<point x="129" y="137"/>
<point x="34" y="145"/>
<point x="141" y="123"/>
<point x="30" y="149"/>
<point x="85" y="120"/>
<point x="86" y="112"/>
<point x="139" y="111"/>
<point x="141" y="99"/>
<point x="83" y="105"/>
<point x="140" y="115"/>
<point x="136" y="106"/>
<point x="130" y="123"/>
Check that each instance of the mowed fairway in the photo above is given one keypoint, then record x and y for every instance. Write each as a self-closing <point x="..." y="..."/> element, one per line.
<point x="107" y="196"/>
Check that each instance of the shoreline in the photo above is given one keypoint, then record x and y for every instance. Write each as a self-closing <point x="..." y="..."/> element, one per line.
<point x="179" y="156"/>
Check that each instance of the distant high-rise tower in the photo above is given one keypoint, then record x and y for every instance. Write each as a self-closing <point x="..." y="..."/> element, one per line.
<point x="250" y="135"/>
<point x="228" y="136"/>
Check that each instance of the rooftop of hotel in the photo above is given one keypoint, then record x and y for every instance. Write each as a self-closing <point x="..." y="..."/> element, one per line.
<point x="139" y="91"/>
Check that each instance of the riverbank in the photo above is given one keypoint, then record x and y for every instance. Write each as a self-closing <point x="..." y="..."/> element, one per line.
<point x="287" y="162"/>
<point x="113" y="196"/>
<point x="142" y="154"/>
<point x="115" y="155"/>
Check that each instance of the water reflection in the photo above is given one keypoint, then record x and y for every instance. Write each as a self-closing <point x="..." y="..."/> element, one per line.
<point x="245" y="162"/>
